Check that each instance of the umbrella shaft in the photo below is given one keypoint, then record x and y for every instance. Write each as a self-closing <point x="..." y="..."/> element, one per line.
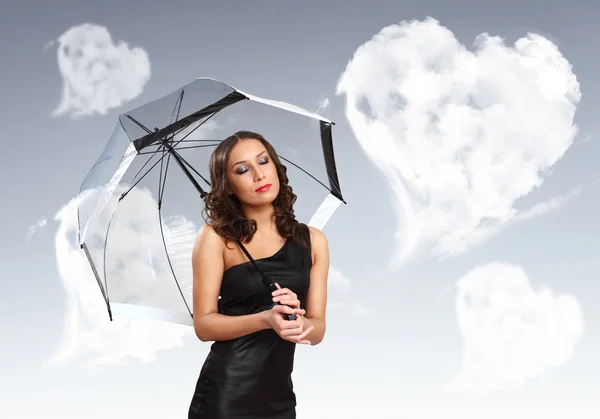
<point x="184" y="168"/>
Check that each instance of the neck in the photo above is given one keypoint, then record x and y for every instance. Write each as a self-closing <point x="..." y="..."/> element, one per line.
<point x="264" y="217"/>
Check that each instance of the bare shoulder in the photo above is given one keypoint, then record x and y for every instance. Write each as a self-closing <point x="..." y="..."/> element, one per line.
<point x="208" y="243"/>
<point x="317" y="236"/>
<point x="207" y="268"/>
<point x="319" y="244"/>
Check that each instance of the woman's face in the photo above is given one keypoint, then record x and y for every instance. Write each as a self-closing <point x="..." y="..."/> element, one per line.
<point x="251" y="173"/>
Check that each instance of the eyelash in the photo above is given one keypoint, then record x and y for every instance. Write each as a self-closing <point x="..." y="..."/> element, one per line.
<point x="243" y="170"/>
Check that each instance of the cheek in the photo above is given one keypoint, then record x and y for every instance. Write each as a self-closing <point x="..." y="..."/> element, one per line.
<point x="240" y="184"/>
<point x="273" y="173"/>
<point x="234" y="183"/>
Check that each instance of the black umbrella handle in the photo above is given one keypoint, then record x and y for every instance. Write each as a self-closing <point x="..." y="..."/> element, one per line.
<point x="269" y="284"/>
<point x="271" y="287"/>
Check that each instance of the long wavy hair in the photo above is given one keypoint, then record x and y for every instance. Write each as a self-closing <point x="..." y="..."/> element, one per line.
<point x="223" y="211"/>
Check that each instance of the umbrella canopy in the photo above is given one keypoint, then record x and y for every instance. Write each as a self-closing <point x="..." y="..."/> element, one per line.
<point x="140" y="206"/>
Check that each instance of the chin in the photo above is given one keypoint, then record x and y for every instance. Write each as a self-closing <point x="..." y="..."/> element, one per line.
<point x="265" y="198"/>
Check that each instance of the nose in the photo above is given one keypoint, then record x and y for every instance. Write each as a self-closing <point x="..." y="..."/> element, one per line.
<point x="259" y="175"/>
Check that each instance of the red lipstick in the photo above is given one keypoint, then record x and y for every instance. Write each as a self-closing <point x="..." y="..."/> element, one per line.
<point x="264" y="188"/>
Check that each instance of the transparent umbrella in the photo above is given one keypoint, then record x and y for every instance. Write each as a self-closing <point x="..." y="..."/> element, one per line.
<point x="140" y="206"/>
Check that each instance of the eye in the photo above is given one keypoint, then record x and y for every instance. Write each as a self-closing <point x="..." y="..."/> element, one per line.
<point x="264" y="160"/>
<point x="241" y="170"/>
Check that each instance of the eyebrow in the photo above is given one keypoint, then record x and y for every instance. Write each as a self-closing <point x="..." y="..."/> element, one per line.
<point x="244" y="161"/>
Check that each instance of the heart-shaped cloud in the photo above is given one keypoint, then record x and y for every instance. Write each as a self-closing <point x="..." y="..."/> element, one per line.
<point x="97" y="74"/>
<point x="511" y="331"/>
<point x="459" y="135"/>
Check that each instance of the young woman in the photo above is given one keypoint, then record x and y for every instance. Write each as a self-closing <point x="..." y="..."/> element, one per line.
<point x="247" y="373"/>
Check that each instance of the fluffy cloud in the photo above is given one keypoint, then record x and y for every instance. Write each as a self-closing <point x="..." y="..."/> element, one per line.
<point x="339" y="298"/>
<point x="512" y="331"/>
<point x="97" y="74"/>
<point x="88" y="331"/>
<point x="459" y="134"/>
<point x="338" y="280"/>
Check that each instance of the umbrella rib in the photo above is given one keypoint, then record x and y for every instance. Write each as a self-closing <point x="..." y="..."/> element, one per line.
<point x="139" y="124"/>
<point x="195" y="141"/>
<point x="199" y="125"/>
<point x="160" y="177"/>
<point x="162" y="234"/>
<point x="161" y="191"/>
<point x="177" y="106"/>
<point x="197" y="146"/>
<point x="143" y="176"/>
<point x="142" y="153"/>
<point x="189" y="165"/>
<point x="298" y="167"/>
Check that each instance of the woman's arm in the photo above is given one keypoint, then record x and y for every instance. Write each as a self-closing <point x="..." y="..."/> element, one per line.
<point x="316" y="300"/>
<point x="208" y="267"/>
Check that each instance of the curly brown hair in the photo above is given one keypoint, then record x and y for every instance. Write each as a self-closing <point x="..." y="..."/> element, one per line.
<point x="223" y="211"/>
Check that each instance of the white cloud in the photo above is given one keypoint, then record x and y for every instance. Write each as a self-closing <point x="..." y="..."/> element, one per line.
<point x="337" y="279"/>
<point x="88" y="330"/>
<point x="339" y="298"/>
<point x="512" y="331"/>
<point x="322" y="105"/>
<point x="34" y="228"/>
<point x="460" y="135"/>
<point x="544" y="207"/>
<point x="484" y="232"/>
<point x="97" y="74"/>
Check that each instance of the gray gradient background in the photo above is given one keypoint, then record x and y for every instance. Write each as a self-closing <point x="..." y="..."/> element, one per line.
<point x="391" y="362"/>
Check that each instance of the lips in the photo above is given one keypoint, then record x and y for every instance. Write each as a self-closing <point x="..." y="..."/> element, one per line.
<point x="264" y="188"/>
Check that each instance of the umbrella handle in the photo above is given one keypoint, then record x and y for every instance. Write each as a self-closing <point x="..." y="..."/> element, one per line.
<point x="271" y="287"/>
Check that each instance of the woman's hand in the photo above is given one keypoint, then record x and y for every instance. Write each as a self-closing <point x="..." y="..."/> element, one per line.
<point x="286" y="297"/>
<point x="290" y="330"/>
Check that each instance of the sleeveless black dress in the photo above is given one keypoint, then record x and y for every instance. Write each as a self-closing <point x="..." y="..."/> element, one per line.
<point x="251" y="377"/>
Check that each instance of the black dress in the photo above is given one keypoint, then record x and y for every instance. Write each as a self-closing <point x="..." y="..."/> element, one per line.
<point x="250" y="377"/>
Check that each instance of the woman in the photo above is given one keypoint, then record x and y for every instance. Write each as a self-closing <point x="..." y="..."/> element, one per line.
<point x="248" y="370"/>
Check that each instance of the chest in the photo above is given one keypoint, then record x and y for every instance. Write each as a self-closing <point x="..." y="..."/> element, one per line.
<point x="290" y="268"/>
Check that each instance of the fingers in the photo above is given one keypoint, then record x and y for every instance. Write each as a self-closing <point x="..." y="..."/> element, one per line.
<point x="296" y="332"/>
<point x="284" y="324"/>
<point x="305" y="334"/>
<point x="293" y="302"/>
<point x="299" y="338"/>
<point x="285" y="296"/>
<point x="283" y="291"/>
<point x="283" y="309"/>
<point x="292" y="331"/>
